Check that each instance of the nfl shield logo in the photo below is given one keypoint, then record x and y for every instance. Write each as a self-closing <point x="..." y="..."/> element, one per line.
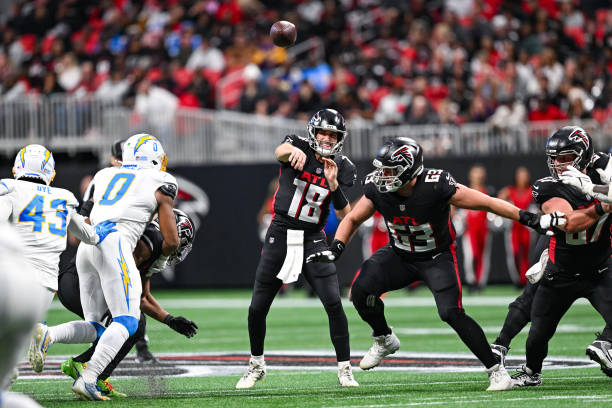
<point x="271" y="240"/>
<point x="318" y="170"/>
<point x="402" y="207"/>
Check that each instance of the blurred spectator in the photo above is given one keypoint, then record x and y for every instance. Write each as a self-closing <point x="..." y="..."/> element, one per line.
<point x="392" y="106"/>
<point x="69" y="72"/>
<point x="509" y="114"/>
<point x="114" y="88"/>
<point x="155" y="105"/>
<point x="420" y="112"/>
<point x="308" y="99"/>
<point x="206" y="57"/>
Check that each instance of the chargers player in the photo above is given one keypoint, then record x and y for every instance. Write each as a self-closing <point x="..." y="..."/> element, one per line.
<point x="42" y="214"/>
<point x="129" y="195"/>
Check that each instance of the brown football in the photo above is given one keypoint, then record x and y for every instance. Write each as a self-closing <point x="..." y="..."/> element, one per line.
<point x="283" y="33"/>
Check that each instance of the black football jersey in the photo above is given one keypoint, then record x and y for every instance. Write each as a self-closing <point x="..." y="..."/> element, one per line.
<point x="303" y="197"/>
<point x="585" y="250"/>
<point x="419" y="225"/>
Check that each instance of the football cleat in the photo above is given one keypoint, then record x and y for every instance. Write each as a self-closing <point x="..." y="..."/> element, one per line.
<point x="600" y="351"/>
<point x="382" y="347"/>
<point x="72" y="368"/>
<point x="88" y="391"/>
<point x="500" y="353"/>
<point x="107" y="389"/>
<point x="38" y="347"/>
<point x="526" y="378"/>
<point x="499" y="378"/>
<point x="345" y="376"/>
<point x="144" y="355"/>
<point x="256" y="372"/>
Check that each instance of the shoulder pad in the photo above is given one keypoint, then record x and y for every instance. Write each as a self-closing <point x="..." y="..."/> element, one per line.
<point x="293" y="139"/>
<point x="600" y="160"/>
<point x="169" y="189"/>
<point x="347" y="172"/>
<point x="543" y="189"/>
<point x="6" y="186"/>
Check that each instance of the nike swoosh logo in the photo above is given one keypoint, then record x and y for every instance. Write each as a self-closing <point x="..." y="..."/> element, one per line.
<point x="436" y="255"/>
<point x="317" y="240"/>
<point x="602" y="270"/>
<point x="536" y="187"/>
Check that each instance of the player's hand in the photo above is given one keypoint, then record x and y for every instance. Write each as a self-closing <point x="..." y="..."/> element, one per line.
<point x="331" y="173"/>
<point x="182" y="325"/>
<point x="297" y="159"/>
<point x="605" y="177"/>
<point x="542" y="223"/>
<point x="330" y="255"/>
<point x="158" y="266"/>
<point x="104" y="228"/>
<point x="574" y="177"/>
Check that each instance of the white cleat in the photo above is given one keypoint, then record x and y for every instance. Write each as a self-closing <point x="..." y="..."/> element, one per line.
<point x="88" y="391"/>
<point x="256" y="372"/>
<point x="500" y="379"/>
<point x="345" y="376"/>
<point x="38" y="347"/>
<point x="382" y="347"/>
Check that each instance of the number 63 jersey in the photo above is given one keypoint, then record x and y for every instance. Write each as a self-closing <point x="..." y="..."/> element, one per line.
<point x="41" y="215"/>
<point x="419" y="225"/>
<point x="302" y="199"/>
<point x="127" y="197"/>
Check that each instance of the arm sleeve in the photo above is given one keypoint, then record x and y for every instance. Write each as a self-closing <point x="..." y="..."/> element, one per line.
<point x="88" y="195"/>
<point x="446" y="186"/>
<point x="83" y="231"/>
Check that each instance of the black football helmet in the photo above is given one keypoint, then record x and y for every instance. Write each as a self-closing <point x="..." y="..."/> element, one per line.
<point x="186" y="235"/>
<point x="117" y="149"/>
<point x="398" y="161"/>
<point x="569" y="140"/>
<point x="327" y="119"/>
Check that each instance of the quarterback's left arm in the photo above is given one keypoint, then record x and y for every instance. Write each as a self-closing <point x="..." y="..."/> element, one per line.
<point x="150" y="306"/>
<point x="86" y="233"/>
<point x="471" y="199"/>
<point x="341" y="203"/>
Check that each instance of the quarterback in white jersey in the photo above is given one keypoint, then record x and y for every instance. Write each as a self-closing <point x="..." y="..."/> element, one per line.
<point x="130" y="196"/>
<point x="42" y="214"/>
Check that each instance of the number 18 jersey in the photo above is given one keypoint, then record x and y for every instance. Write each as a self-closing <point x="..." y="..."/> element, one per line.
<point x="127" y="197"/>
<point x="303" y="197"/>
<point x="419" y="225"/>
<point x="40" y="214"/>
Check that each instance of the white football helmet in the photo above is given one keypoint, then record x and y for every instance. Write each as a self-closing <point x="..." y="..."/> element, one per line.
<point x="35" y="161"/>
<point x="144" y="151"/>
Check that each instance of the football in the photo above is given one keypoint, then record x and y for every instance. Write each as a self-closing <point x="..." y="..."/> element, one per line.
<point x="283" y="33"/>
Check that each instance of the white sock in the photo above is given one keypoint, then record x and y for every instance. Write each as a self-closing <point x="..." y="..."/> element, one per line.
<point x="109" y="345"/>
<point x="78" y="331"/>
<point x="258" y="359"/>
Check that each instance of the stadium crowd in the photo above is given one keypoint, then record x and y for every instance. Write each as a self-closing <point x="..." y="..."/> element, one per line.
<point x="394" y="61"/>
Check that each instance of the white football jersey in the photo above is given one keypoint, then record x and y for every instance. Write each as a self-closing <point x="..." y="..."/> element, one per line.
<point x="41" y="215"/>
<point x="127" y="197"/>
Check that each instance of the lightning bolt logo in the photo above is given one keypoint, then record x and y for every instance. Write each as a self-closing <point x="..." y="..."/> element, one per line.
<point x="142" y="141"/>
<point x="22" y="156"/>
<point x="125" y="275"/>
<point x="47" y="156"/>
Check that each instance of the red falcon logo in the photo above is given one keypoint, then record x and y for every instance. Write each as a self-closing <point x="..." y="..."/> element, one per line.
<point x="403" y="154"/>
<point x="579" y="135"/>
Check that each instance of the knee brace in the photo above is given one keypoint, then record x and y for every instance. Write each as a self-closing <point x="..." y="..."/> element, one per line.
<point x="451" y="314"/>
<point x="129" y="322"/>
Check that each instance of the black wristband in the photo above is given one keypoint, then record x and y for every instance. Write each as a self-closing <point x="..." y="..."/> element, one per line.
<point x="168" y="318"/>
<point x="599" y="209"/>
<point x="86" y="208"/>
<point x="526" y="218"/>
<point x="337" y="247"/>
<point x="339" y="199"/>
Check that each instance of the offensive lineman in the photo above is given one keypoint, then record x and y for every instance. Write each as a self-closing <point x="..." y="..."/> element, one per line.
<point x="109" y="279"/>
<point x="311" y="175"/>
<point x="415" y="204"/>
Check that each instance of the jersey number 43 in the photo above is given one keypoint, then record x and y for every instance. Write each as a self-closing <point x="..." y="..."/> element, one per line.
<point x="34" y="212"/>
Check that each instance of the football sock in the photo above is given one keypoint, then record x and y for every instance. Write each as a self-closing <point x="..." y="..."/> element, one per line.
<point x="258" y="359"/>
<point x="606" y="334"/>
<point x="514" y="323"/>
<point x="78" y="331"/>
<point x="108" y="346"/>
<point x="338" y="331"/>
<point x="472" y="335"/>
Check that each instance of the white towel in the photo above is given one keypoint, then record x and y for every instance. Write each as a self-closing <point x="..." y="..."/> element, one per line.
<point x="292" y="267"/>
<point x="534" y="274"/>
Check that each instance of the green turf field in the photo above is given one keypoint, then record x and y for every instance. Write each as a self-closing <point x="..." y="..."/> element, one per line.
<point x="297" y="323"/>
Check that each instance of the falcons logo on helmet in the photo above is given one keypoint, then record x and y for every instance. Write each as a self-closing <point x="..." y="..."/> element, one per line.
<point x="579" y="135"/>
<point x="403" y="154"/>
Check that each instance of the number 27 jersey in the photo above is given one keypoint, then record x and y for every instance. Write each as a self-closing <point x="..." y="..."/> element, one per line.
<point x="303" y="197"/>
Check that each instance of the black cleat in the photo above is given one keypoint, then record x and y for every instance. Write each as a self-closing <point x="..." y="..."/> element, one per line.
<point x="143" y="355"/>
<point x="526" y="378"/>
<point x="600" y="351"/>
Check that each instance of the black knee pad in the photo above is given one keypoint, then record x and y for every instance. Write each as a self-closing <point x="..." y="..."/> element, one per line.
<point x="451" y="314"/>
<point x="523" y="304"/>
<point x="359" y="295"/>
<point x="333" y="308"/>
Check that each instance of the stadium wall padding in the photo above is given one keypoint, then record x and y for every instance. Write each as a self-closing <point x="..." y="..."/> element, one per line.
<point x="227" y="246"/>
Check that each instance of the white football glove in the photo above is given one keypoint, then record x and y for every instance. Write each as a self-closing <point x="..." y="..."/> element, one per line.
<point x="534" y="274"/>
<point x="604" y="175"/>
<point x="554" y="219"/>
<point x="323" y="256"/>
<point x="158" y="266"/>
<point x="574" y="177"/>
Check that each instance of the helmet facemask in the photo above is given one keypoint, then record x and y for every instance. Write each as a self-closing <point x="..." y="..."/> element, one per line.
<point x="555" y="168"/>
<point x="388" y="178"/>
<point x="314" y="143"/>
<point x="330" y="120"/>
